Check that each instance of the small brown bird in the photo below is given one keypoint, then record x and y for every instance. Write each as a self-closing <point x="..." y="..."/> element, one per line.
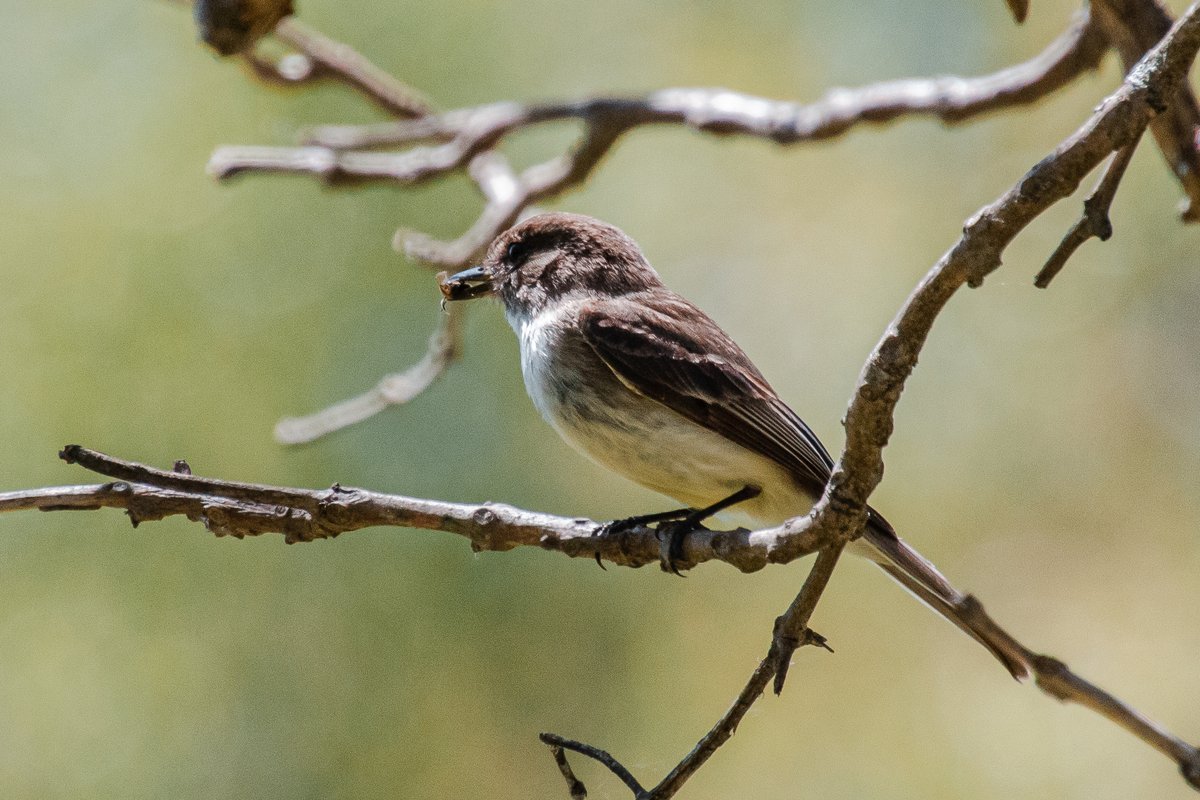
<point x="645" y="383"/>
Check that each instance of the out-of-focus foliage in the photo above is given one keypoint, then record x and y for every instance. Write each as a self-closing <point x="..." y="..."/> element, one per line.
<point x="1046" y="450"/>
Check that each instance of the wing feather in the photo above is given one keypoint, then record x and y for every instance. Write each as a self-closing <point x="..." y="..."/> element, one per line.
<point x="659" y="344"/>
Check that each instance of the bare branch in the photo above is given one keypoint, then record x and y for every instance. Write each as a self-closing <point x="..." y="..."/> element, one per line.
<point x="1133" y="27"/>
<point x="720" y="111"/>
<point x="950" y="99"/>
<point x="347" y="64"/>
<point x="574" y="785"/>
<point x="1095" y="221"/>
<point x="304" y="515"/>
<point x="335" y="155"/>
<point x="1118" y="122"/>
<point x="790" y="632"/>
<point x="445" y="346"/>
<point x="337" y="167"/>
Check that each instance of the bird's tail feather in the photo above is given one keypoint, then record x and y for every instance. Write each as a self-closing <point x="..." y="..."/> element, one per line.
<point x="915" y="573"/>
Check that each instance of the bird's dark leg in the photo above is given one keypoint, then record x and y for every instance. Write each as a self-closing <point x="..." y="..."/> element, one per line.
<point x="619" y="526"/>
<point x="629" y="523"/>
<point x="672" y="534"/>
<point x="685" y="520"/>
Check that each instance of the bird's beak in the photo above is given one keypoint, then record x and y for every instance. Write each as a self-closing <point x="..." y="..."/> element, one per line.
<point x="465" y="285"/>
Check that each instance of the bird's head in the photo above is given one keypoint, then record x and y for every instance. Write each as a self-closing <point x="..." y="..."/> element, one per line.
<point x="549" y="257"/>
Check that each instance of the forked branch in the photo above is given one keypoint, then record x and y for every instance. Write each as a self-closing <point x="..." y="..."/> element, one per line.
<point x="1153" y="94"/>
<point x="348" y="154"/>
<point x="228" y="508"/>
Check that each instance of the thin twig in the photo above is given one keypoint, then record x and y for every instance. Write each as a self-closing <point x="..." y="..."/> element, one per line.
<point x="396" y="389"/>
<point x="575" y="786"/>
<point x="489" y="170"/>
<point x="559" y="743"/>
<point x="791" y="631"/>
<point x="326" y="56"/>
<point x="347" y="64"/>
<point x="789" y="628"/>
<point x="1095" y="221"/>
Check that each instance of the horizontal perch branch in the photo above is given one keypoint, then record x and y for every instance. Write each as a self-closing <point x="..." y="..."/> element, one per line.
<point x="229" y="508"/>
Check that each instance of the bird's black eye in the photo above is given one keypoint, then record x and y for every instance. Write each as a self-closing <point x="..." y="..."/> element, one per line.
<point x="516" y="252"/>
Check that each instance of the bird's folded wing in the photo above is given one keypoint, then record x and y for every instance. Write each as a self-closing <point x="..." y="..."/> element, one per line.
<point x="668" y="350"/>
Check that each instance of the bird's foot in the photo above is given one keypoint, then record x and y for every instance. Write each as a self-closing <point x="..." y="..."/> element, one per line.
<point x="674" y="526"/>
<point x="671" y="536"/>
<point x="617" y="527"/>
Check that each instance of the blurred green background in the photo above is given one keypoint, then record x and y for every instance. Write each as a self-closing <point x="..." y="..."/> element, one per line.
<point x="1045" y="455"/>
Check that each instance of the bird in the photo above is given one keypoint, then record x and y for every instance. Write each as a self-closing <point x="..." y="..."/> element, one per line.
<point x="641" y="381"/>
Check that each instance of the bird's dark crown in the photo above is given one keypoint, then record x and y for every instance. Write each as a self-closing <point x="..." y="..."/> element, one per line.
<point x="552" y="255"/>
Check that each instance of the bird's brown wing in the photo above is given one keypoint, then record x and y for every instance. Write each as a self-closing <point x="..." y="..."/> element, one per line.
<point x="659" y="344"/>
